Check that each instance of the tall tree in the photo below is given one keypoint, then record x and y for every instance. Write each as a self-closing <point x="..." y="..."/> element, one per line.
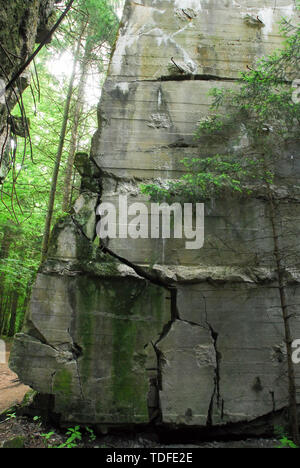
<point x="97" y="23"/>
<point x="77" y="114"/>
<point x="62" y="136"/>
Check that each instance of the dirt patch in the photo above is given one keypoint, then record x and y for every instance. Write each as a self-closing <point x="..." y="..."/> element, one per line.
<point x="11" y="390"/>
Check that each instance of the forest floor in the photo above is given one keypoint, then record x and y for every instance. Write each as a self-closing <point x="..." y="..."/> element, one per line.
<point x="32" y="433"/>
<point x="11" y="390"/>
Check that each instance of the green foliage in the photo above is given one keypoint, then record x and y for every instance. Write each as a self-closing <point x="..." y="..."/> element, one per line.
<point x="91" y="433"/>
<point x="25" y="193"/>
<point x="46" y="437"/>
<point x="38" y="420"/>
<point x="10" y="416"/>
<point x="209" y="176"/>
<point x="283" y="438"/>
<point x="213" y="123"/>
<point x="103" y="22"/>
<point x="285" y="442"/>
<point x="74" y="436"/>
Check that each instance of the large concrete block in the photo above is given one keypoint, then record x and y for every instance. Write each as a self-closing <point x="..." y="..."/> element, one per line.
<point x="86" y="342"/>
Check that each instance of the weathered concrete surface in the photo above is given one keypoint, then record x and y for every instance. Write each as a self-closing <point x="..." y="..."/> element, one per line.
<point x="143" y="117"/>
<point x="188" y="365"/>
<point x="215" y="348"/>
<point x="85" y="342"/>
<point x="22" y="23"/>
<point x="247" y="337"/>
<point x="148" y="118"/>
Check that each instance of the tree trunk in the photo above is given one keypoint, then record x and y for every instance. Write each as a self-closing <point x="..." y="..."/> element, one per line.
<point x="24" y="307"/>
<point x="293" y="412"/>
<point x="5" y="315"/>
<point x="62" y="137"/>
<point x="74" y="136"/>
<point x="4" y="252"/>
<point x="13" y="314"/>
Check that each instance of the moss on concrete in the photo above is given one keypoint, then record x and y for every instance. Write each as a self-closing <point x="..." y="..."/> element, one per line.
<point x="63" y="383"/>
<point x="86" y="326"/>
<point x="130" y="382"/>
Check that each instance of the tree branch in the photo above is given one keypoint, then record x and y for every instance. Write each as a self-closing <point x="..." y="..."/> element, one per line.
<point x="30" y="59"/>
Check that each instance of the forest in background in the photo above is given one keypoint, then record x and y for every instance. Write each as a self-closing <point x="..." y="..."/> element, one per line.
<point x="56" y="118"/>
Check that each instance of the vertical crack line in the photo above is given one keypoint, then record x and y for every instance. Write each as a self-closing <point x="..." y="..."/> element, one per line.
<point x="273" y="401"/>
<point x="76" y="352"/>
<point x="209" y="421"/>
<point x="52" y="382"/>
<point x="216" y="391"/>
<point x="98" y="202"/>
<point x="79" y="380"/>
<point x="158" y="416"/>
<point x="160" y="358"/>
<point x="79" y="228"/>
<point x="174" y="308"/>
<point x="159" y="355"/>
<point x="217" y="378"/>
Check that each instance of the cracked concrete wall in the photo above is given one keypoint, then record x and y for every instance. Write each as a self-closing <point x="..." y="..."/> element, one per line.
<point x="22" y="23"/>
<point x="86" y="341"/>
<point x="146" y="330"/>
<point x="229" y="339"/>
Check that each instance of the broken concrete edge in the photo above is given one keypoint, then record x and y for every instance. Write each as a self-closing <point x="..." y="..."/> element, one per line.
<point x="110" y="265"/>
<point x="97" y="259"/>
